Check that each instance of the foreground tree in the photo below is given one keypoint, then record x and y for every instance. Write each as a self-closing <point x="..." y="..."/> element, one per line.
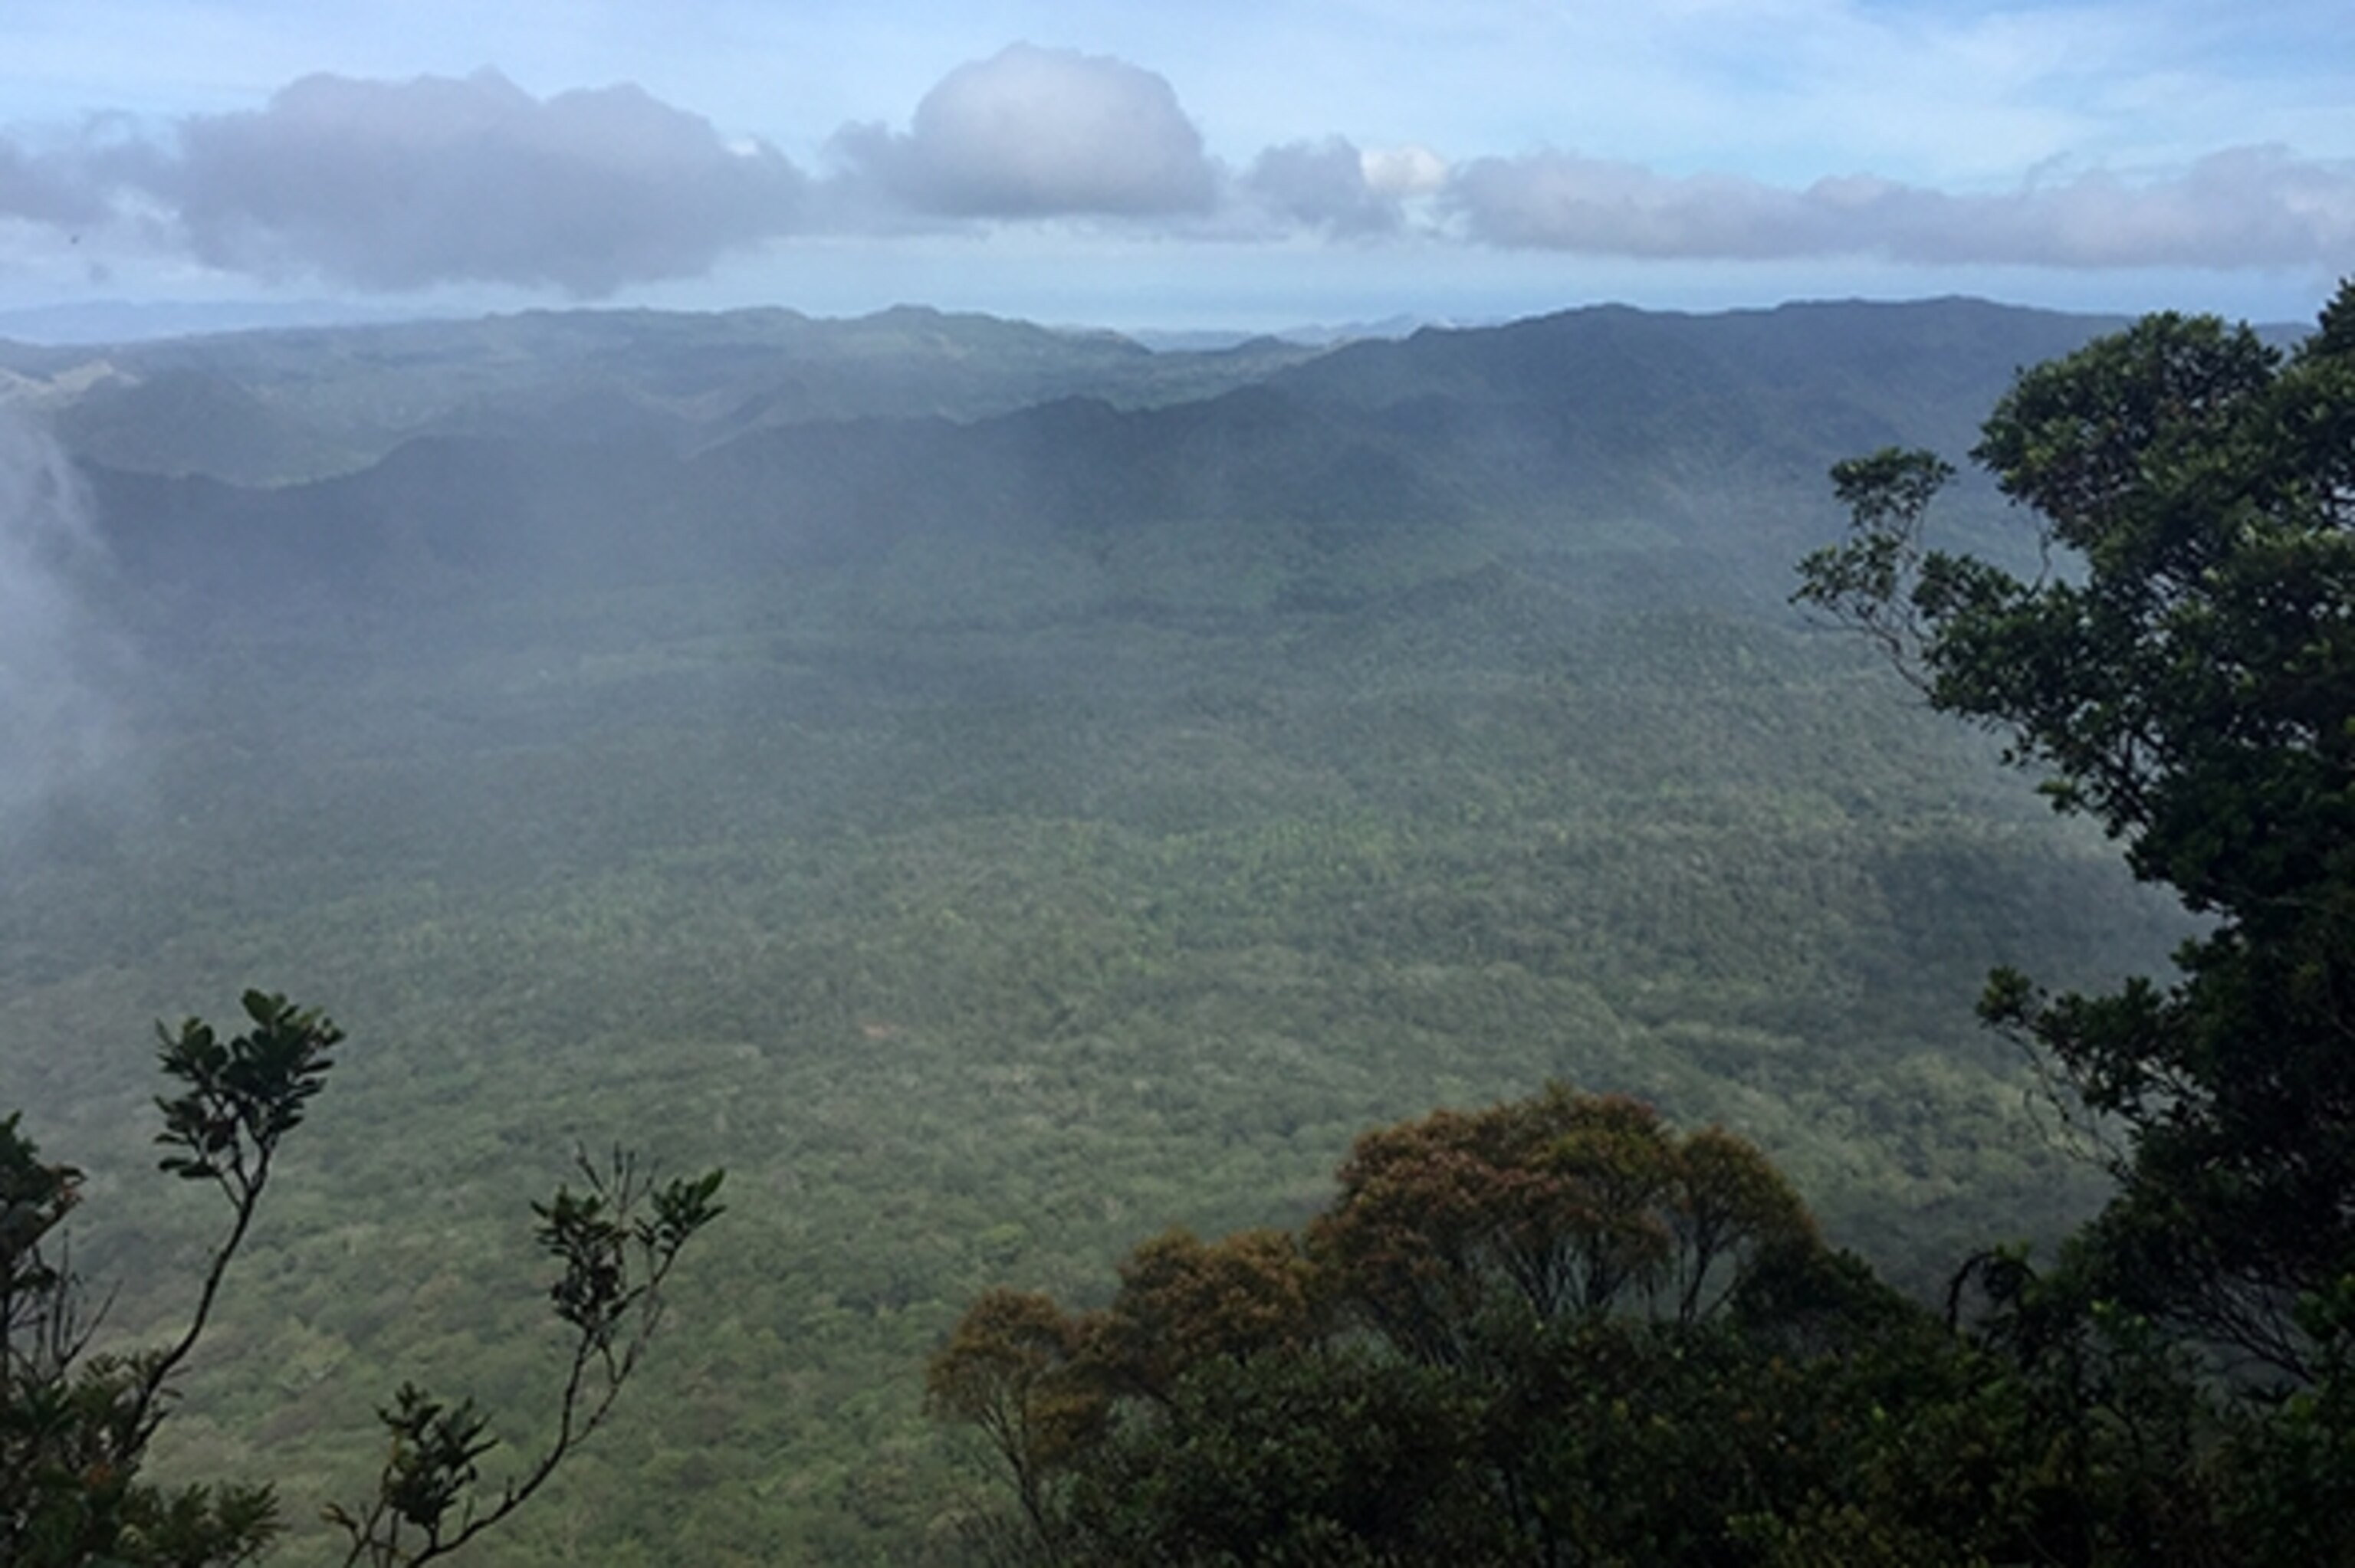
<point x="1551" y="1330"/>
<point x="76" y="1423"/>
<point x="74" y="1426"/>
<point x="1017" y="1371"/>
<point x="1558" y="1206"/>
<point x="615" y="1244"/>
<point x="1490" y="1348"/>
<point x="2184" y="674"/>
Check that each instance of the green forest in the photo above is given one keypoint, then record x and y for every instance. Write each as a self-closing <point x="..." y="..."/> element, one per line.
<point x="1021" y="822"/>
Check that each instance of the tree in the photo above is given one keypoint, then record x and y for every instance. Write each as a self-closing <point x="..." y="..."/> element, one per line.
<point x="616" y="1244"/>
<point x="1484" y="1404"/>
<point x="74" y="1426"/>
<point x="1017" y="1369"/>
<point x="2183" y="672"/>
<point x="1561" y="1203"/>
<point x="1466" y="1358"/>
<point x="1183" y="1301"/>
<point x="76" y="1423"/>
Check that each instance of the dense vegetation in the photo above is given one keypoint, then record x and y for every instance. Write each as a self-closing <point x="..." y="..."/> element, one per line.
<point x="2189" y="688"/>
<point x="268" y="408"/>
<point x="998" y="843"/>
<point x="1554" y="1333"/>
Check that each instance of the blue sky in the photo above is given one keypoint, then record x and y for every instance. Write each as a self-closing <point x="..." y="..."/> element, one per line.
<point x="1224" y="163"/>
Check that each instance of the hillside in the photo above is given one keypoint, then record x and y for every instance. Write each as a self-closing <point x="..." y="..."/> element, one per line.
<point x="1002" y="829"/>
<point x="269" y="407"/>
<point x="1703" y="439"/>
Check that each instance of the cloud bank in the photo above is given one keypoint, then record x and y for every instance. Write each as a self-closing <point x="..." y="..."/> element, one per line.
<point x="403" y="185"/>
<point x="398" y="186"/>
<point x="2249" y="206"/>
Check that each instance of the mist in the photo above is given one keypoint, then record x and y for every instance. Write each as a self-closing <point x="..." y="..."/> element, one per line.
<point x="60" y="664"/>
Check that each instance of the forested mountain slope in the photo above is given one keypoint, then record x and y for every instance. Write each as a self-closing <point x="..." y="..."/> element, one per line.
<point x="1600" y="433"/>
<point x="997" y="839"/>
<point x="275" y="406"/>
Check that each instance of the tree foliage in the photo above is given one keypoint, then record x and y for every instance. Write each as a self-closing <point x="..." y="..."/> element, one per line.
<point x="2184" y="675"/>
<point x="1516" y="1334"/>
<point x="1563" y="1204"/>
<point x="1435" y="1378"/>
<point x="1183" y="1301"/>
<point x="1017" y="1369"/>
<point x="76" y="1421"/>
<point x="615" y="1244"/>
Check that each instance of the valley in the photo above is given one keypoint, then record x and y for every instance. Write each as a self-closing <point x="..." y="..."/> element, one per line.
<point x="1000" y="794"/>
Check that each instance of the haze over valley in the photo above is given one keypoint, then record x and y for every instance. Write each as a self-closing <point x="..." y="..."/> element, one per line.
<point x="1000" y="792"/>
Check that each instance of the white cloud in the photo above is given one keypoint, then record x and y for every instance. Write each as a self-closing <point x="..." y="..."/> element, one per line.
<point x="1035" y="133"/>
<point x="1718" y="132"/>
<point x="1408" y="171"/>
<point x="398" y="186"/>
<point x="2245" y="207"/>
<point x="1322" y="185"/>
<point x="1560" y="201"/>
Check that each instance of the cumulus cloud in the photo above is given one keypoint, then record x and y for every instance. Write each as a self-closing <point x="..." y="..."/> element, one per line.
<point x="1408" y="171"/>
<point x="1035" y="133"/>
<point x="47" y="189"/>
<point x="390" y="186"/>
<point x="1323" y="185"/>
<point x="398" y="186"/>
<point x="2258" y="207"/>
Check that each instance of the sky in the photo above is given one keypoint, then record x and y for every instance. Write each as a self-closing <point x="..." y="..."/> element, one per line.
<point x="1224" y="164"/>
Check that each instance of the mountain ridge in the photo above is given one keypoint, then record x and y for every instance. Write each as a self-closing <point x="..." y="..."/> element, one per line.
<point x="1558" y="432"/>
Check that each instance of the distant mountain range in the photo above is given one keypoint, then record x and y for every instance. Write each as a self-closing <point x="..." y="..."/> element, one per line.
<point x="143" y="321"/>
<point x="1629" y="446"/>
<point x="270" y="407"/>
